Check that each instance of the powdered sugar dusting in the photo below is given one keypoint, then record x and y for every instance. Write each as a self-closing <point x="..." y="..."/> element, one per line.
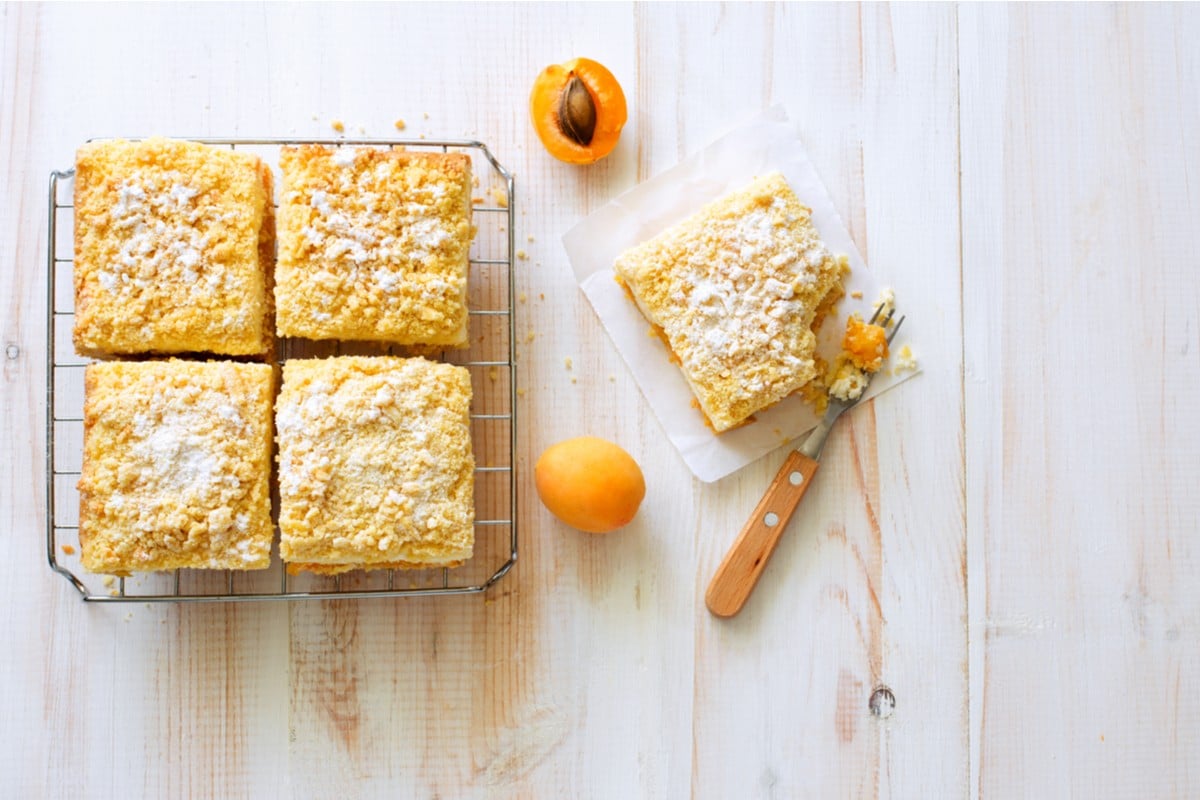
<point x="320" y="201"/>
<point x="355" y="223"/>
<point x="184" y="444"/>
<point x="741" y="309"/>
<point x="179" y="459"/>
<point x="386" y="279"/>
<point x="352" y="424"/>
<point x="160" y="216"/>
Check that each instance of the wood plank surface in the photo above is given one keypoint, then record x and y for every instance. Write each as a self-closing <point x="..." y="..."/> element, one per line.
<point x="1080" y="285"/>
<point x="988" y="590"/>
<point x="839" y="612"/>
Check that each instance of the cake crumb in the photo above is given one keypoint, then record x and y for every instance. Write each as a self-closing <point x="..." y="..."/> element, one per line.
<point x="520" y="392"/>
<point x="425" y="114"/>
<point x="476" y="201"/>
<point x="886" y="303"/>
<point x="129" y="616"/>
<point x="856" y="294"/>
<point x="523" y="297"/>
<point x="500" y="195"/>
<point x="109" y="580"/>
<point x="541" y="295"/>
<point x="68" y="549"/>
<point x="400" y="124"/>
<point x="529" y="337"/>
<point x="612" y="378"/>
<point x="530" y="238"/>
<point x="315" y="117"/>
<point x="573" y="379"/>
<point x="848" y="382"/>
<point x="521" y="254"/>
<point x="905" y="361"/>
<point x="475" y="181"/>
<point x="568" y="362"/>
<point x="493" y="374"/>
<point x="420" y="136"/>
<point x="113" y="593"/>
<point x="338" y="126"/>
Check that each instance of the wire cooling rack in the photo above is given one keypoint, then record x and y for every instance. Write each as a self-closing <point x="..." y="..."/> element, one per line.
<point x="490" y="359"/>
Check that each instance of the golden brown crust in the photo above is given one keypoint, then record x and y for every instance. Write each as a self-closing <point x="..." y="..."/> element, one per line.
<point x="373" y="245"/>
<point x="176" y="466"/>
<point x="171" y="249"/>
<point x="375" y="463"/>
<point x="736" y="291"/>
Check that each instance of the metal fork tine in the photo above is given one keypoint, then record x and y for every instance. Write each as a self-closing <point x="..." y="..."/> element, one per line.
<point x="875" y="316"/>
<point x="899" y="322"/>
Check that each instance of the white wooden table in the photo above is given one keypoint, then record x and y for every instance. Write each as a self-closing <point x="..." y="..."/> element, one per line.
<point x="1007" y="542"/>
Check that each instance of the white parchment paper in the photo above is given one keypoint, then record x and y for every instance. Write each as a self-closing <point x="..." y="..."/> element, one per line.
<point x="765" y="145"/>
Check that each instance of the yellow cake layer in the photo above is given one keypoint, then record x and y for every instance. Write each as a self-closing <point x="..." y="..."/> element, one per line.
<point x="373" y="245"/>
<point x="375" y="463"/>
<point x="173" y="249"/>
<point x="176" y="466"/>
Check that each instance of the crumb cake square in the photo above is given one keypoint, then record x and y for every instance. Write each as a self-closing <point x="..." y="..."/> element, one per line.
<point x="176" y="466"/>
<point x="736" y="291"/>
<point x="375" y="464"/>
<point x="173" y="248"/>
<point x="373" y="245"/>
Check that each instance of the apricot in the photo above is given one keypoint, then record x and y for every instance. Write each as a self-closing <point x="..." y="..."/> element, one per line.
<point x="590" y="484"/>
<point x="578" y="110"/>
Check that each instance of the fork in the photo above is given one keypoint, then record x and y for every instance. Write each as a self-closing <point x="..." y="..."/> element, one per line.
<point x="743" y="565"/>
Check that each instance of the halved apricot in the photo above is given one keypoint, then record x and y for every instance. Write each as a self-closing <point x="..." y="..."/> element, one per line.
<point x="578" y="110"/>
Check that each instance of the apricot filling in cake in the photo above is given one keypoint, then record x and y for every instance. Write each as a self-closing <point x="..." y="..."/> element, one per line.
<point x="864" y="348"/>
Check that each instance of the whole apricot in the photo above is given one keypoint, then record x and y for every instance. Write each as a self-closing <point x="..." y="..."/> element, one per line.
<point x="578" y="110"/>
<point x="590" y="484"/>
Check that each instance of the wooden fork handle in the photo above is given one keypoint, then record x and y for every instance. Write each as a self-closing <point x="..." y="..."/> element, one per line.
<point x="746" y="560"/>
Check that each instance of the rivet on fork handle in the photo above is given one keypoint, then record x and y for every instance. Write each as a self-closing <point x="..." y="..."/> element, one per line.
<point x="746" y="560"/>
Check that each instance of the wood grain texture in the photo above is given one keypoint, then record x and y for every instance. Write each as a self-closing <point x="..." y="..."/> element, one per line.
<point x="1006" y="543"/>
<point x="1080" y="249"/>
<point x="874" y="92"/>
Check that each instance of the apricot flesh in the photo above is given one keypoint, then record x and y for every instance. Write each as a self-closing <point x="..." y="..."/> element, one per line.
<point x="578" y="110"/>
<point x="865" y="344"/>
<point x="590" y="484"/>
